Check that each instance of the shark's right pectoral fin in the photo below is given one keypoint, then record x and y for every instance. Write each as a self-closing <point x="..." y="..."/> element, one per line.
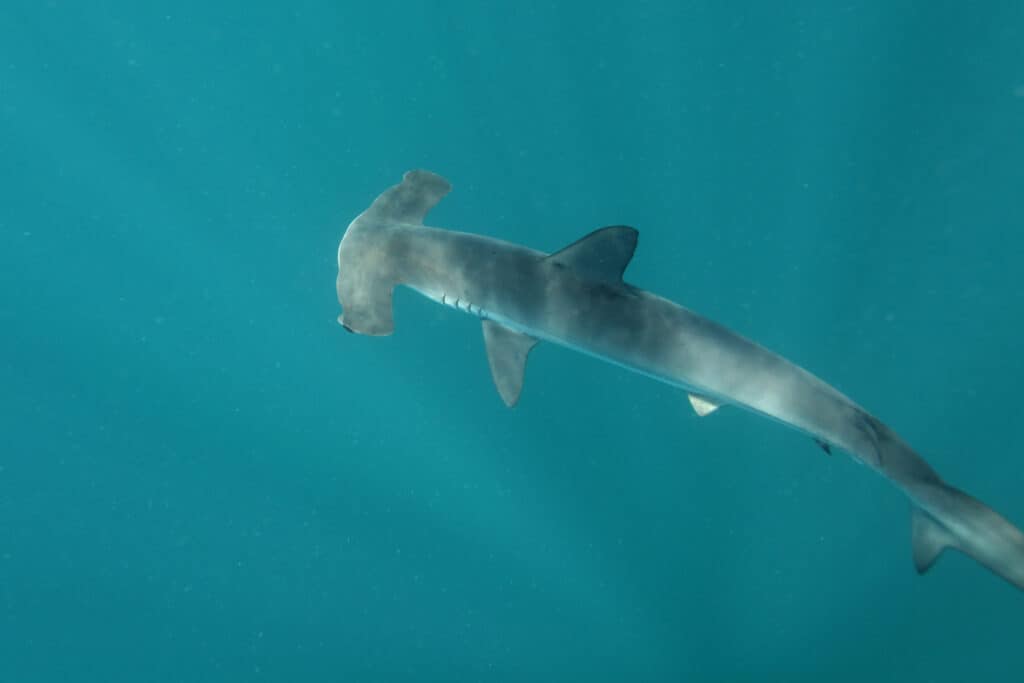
<point x="929" y="539"/>
<point x="507" y="351"/>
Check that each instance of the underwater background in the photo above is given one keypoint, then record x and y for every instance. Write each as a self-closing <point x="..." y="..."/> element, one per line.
<point x="204" y="478"/>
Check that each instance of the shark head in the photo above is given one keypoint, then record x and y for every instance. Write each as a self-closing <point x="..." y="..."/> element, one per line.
<point x="370" y="254"/>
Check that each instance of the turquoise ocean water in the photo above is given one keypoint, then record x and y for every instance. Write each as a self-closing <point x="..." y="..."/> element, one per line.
<point x="203" y="478"/>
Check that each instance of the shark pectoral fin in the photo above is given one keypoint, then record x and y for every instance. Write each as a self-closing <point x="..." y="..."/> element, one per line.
<point x="602" y="255"/>
<point x="506" y="353"/>
<point x="410" y="200"/>
<point x="929" y="539"/>
<point x="702" y="405"/>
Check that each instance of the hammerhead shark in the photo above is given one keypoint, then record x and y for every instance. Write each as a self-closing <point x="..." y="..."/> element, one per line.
<point x="576" y="298"/>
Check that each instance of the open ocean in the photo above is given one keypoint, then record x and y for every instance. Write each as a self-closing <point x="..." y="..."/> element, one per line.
<point x="204" y="478"/>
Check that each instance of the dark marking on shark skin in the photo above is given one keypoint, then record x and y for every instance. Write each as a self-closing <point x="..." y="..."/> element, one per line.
<point x="576" y="298"/>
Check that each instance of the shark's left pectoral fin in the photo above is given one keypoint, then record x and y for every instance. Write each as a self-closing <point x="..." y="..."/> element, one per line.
<point x="507" y="351"/>
<point x="702" y="406"/>
<point x="929" y="539"/>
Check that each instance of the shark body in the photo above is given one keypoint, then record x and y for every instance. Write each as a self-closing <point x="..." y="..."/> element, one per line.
<point x="576" y="297"/>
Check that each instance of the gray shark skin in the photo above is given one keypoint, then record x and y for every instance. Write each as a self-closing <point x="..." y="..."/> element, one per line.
<point x="576" y="298"/>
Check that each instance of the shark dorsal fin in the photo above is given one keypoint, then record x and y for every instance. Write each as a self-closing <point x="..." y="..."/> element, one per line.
<point x="601" y="255"/>
<point x="410" y="200"/>
<point x="929" y="539"/>
<point x="506" y="353"/>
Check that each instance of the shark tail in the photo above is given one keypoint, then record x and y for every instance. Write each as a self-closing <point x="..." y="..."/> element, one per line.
<point x="966" y="524"/>
<point x="946" y="517"/>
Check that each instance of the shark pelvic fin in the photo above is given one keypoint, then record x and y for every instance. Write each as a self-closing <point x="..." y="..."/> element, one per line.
<point x="702" y="406"/>
<point x="602" y="255"/>
<point x="929" y="539"/>
<point x="506" y="353"/>
<point x="410" y="200"/>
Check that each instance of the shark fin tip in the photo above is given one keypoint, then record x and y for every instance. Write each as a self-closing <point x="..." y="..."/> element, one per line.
<point x="702" y="405"/>
<point x="929" y="539"/>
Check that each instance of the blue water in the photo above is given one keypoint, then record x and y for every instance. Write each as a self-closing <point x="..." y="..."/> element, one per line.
<point x="203" y="478"/>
